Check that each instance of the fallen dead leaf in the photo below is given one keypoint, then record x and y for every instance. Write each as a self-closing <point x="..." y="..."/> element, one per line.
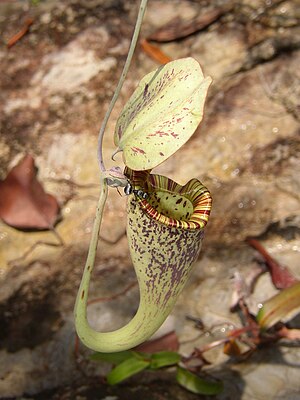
<point x="23" y="202"/>
<point x="281" y="277"/>
<point x="168" y="342"/>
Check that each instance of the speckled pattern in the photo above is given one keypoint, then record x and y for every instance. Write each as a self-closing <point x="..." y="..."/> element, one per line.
<point x="162" y="114"/>
<point x="162" y="255"/>
<point x="163" y="249"/>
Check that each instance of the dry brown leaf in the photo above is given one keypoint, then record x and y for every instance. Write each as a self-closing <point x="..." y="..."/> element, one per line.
<point x="23" y="202"/>
<point x="281" y="277"/>
<point x="168" y="342"/>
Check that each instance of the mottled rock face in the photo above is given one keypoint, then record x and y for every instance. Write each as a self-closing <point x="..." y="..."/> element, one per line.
<point x="54" y="91"/>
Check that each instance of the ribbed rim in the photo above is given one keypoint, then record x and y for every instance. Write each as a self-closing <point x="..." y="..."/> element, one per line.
<point x="197" y="193"/>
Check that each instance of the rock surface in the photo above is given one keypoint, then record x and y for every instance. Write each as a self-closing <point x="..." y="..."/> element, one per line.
<point x="55" y="86"/>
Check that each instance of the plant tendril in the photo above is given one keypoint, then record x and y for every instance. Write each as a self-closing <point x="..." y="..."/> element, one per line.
<point x="133" y="43"/>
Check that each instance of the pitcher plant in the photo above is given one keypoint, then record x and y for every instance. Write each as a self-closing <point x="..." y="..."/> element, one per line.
<point x="165" y="221"/>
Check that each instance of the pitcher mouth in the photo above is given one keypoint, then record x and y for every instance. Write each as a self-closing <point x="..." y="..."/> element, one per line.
<point x="185" y="207"/>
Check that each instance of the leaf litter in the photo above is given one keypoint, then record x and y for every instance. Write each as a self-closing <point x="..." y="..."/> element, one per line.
<point x="24" y="204"/>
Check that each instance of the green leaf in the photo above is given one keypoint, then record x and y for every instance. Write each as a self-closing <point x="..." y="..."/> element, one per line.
<point x="283" y="306"/>
<point x="113" y="358"/>
<point x="127" y="368"/>
<point x="164" y="359"/>
<point x="162" y="114"/>
<point x="197" y="385"/>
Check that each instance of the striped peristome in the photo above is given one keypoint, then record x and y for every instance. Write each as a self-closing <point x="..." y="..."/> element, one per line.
<point x="184" y="207"/>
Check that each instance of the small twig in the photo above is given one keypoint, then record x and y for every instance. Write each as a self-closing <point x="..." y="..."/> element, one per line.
<point x="154" y="52"/>
<point x="212" y="345"/>
<point x="14" y="39"/>
<point x="205" y="330"/>
<point x="235" y="334"/>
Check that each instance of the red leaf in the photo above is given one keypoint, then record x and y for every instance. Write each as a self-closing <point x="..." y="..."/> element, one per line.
<point x="282" y="278"/>
<point x="168" y="342"/>
<point x="23" y="202"/>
